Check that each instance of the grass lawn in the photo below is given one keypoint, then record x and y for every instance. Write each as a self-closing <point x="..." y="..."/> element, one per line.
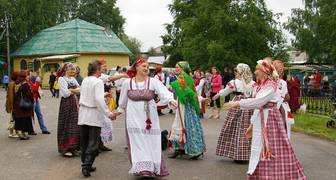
<point x="314" y="125"/>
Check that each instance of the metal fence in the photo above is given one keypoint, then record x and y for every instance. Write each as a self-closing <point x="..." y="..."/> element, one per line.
<point x="319" y="105"/>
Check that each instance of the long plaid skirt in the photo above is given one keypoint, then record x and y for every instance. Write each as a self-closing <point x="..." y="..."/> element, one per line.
<point x="68" y="131"/>
<point x="285" y="165"/>
<point x="232" y="142"/>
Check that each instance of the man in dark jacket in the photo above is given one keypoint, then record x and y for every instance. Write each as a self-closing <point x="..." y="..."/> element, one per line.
<point x="52" y="79"/>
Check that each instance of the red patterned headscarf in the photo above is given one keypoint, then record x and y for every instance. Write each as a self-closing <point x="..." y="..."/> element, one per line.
<point x="132" y="71"/>
<point x="267" y="67"/>
<point x="66" y="66"/>
<point x="102" y="62"/>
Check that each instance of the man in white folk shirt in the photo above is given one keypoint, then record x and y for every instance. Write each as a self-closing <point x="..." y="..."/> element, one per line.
<point x="91" y="115"/>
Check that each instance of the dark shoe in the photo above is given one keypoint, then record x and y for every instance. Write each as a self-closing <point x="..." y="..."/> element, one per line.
<point x="93" y="169"/>
<point x="86" y="172"/>
<point x="24" y="138"/>
<point x="196" y="157"/>
<point x="32" y="133"/>
<point x="75" y="153"/>
<point x="104" y="148"/>
<point x="171" y="111"/>
<point x="45" y="132"/>
<point x="176" y="154"/>
<point x="160" y="113"/>
<point x="241" y="161"/>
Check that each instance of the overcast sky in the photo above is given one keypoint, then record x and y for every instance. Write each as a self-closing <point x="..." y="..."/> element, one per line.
<point x="145" y="19"/>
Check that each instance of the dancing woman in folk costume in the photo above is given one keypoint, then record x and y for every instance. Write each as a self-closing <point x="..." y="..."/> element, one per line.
<point x="272" y="156"/>
<point x="142" y="121"/>
<point x="186" y="134"/>
<point x="232" y="142"/>
<point x="283" y="105"/>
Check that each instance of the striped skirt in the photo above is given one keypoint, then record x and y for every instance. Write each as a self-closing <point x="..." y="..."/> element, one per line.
<point x="232" y="142"/>
<point x="68" y="131"/>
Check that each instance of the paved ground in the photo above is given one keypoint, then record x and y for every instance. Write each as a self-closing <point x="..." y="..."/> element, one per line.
<point x="37" y="159"/>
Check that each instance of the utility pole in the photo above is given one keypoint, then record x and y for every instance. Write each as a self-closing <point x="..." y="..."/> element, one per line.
<point x="8" y="51"/>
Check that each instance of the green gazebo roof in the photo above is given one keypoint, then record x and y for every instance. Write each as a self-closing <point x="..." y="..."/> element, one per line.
<point x="75" y="36"/>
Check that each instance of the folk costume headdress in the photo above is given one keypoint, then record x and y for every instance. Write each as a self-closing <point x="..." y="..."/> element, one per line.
<point x="245" y="73"/>
<point x="65" y="67"/>
<point x="267" y="67"/>
<point x="184" y="87"/>
<point x="132" y="71"/>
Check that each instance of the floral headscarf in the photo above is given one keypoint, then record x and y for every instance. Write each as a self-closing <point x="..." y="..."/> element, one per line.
<point x="267" y="67"/>
<point x="245" y="72"/>
<point x="184" y="87"/>
<point x="65" y="67"/>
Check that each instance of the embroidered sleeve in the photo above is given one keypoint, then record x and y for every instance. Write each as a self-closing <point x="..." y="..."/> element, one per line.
<point x="165" y="95"/>
<point x="265" y="95"/>
<point x="123" y="96"/>
<point x="63" y="87"/>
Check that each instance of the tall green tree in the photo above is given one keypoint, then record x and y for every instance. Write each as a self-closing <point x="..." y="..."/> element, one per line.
<point x="102" y="12"/>
<point x="28" y="17"/>
<point x="222" y="32"/>
<point x="134" y="45"/>
<point x="314" y="30"/>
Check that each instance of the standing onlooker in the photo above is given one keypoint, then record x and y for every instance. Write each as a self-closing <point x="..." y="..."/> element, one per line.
<point x="199" y="86"/>
<point x="207" y="85"/>
<point x="216" y="85"/>
<point x="68" y="130"/>
<point x="118" y="84"/>
<point x="52" y="79"/>
<point x="294" y="93"/>
<point x="23" y="106"/>
<point x="56" y="88"/>
<point x="78" y="77"/>
<point x="92" y="112"/>
<point x="318" y="78"/>
<point x="5" y="81"/>
<point x="118" y="69"/>
<point x="34" y="84"/>
<point x="306" y="84"/>
<point x="9" y="104"/>
<point x="159" y="75"/>
<point x="226" y="78"/>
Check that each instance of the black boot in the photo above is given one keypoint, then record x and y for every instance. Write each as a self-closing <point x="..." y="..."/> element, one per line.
<point x="104" y="148"/>
<point x="87" y="165"/>
<point x="86" y="172"/>
<point x="160" y="113"/>
<point x="176" y="154"/>
<point x="196" y="157"/>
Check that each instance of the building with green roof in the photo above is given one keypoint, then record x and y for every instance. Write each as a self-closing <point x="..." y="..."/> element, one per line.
<point x="77" y="41"/>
